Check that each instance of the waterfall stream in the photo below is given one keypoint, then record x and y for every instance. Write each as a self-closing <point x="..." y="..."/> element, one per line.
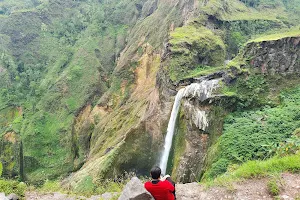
<point x="201" y="91"/>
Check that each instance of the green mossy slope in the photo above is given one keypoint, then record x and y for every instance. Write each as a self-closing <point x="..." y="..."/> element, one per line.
<point x="193" y="48"/>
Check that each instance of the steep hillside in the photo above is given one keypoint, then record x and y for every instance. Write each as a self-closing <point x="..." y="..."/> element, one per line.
<point x="87" y="86"/>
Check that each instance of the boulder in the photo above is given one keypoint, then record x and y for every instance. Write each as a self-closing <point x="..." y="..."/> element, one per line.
<point x="3" y="197"/>
<point x="134" y="190"/>
<point x="13" y="196"/>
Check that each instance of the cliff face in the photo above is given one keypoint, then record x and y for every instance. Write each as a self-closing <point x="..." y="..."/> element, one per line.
<point x="281" y="56"/>
<point x="128" y="135"/>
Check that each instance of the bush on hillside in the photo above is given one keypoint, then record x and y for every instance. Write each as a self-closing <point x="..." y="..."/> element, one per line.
<point x="253" y="135"/>
<point x="9" y="186"/>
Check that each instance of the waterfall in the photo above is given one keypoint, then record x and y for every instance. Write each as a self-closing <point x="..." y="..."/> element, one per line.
<point x="201" y="91"/>
<point x="170" y="131"/>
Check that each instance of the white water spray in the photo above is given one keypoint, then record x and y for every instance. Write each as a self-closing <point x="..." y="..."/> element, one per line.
<point x="202" y="91"/>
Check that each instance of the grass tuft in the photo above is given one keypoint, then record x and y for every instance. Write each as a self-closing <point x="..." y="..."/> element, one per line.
<point x="255" y="169"/>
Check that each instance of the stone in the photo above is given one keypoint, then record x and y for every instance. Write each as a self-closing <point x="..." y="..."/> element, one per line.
<point x="285" y="197"/>
<point x="134" y="190"/>
<point x="3" y="197"/>
<point x="109" y="195"/>
<point x="13" y="196"/>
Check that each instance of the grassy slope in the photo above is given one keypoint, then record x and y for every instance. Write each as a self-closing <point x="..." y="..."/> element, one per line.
<point x="292" y="32"/>
<point x="258" y="169"/>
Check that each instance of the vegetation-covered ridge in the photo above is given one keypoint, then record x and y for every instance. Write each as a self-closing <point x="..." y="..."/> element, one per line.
<point x="293" y="32"/>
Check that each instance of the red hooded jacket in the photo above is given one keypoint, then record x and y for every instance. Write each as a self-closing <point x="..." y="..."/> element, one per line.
<point x="160" y="190"/>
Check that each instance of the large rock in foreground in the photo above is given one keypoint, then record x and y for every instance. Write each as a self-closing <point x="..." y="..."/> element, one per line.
<point x="3" y="197"/>
<point x="134" y="190"/>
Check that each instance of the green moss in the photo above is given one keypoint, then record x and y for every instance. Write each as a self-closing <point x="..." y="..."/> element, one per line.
<point x="190" y="34"/>
<point x="134" y="154"/>
<point x="191" y="48"/>
<point x="203" y="71"/>
<point x="236" y="10"/>
<point x="178" y="146"/>
<point x="293" y="32"/>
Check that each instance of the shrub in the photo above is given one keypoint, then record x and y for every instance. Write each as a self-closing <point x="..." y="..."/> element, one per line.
<point x="290" y="146"/>
<point x="217" y="168"/>
<point x="10" y="186"/>
<point x="50" y="186"/>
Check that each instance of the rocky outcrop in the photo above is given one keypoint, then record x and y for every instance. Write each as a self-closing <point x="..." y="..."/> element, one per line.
<point x="9" y="197"/>
<point x="195" y="126"/>
<point x="281" y="56"/>
<point x="3" y="197"/>
<point x="134" y="190"/>
<point x="13" y="197"/>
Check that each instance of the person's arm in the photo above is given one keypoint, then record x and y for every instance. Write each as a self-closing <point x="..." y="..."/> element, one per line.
<point x="169" y="186"/>
<point x="171" y="181"/>
<point x="146" y="186"/>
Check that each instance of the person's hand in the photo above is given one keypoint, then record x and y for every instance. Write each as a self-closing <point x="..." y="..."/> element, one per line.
<point x="165" y="177"/>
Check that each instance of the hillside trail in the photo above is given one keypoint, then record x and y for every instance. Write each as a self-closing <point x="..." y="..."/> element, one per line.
<point x="251" y="189"/>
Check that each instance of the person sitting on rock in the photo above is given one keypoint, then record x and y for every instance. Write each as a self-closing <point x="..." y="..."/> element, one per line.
<point x="160" y="188"/>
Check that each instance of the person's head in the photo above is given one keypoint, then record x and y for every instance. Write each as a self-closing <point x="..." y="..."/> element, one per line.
<point x="155" y="172"/>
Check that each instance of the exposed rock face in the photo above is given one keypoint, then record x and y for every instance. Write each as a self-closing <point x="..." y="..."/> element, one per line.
<point x="134" y="190"/>
<point x="280" y="56"/>
<point x="195" y="124"/>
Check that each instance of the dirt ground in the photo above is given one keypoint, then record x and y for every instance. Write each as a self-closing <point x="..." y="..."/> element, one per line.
<point x="253" y="189"/>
